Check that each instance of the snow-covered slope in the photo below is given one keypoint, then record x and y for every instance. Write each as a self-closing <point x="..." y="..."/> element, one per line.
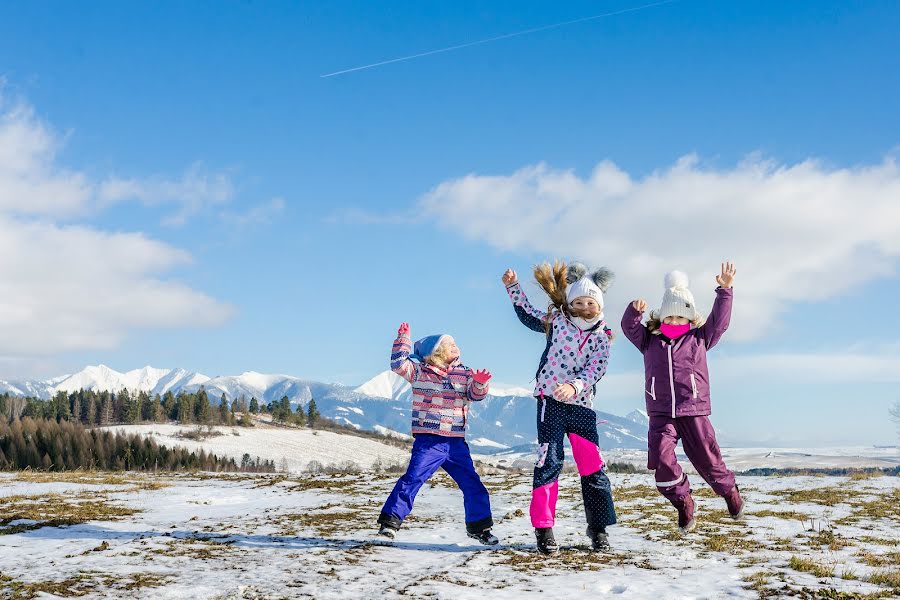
<point x="294" y="448"/>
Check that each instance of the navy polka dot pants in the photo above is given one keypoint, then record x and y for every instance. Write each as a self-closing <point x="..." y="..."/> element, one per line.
<point x="555" y="420"/>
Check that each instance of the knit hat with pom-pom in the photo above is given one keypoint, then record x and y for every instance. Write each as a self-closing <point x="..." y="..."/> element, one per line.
<point x="584" y="284"/>
<point x="678" y="301"/>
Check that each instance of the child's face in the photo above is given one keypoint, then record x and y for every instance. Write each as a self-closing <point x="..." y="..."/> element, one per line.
<point x="675" y="321"/>
<point x="585" y="307"/>
<point x="449" y="348"/>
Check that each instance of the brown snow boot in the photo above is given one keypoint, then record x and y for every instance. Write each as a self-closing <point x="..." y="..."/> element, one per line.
<point x="735" y="503"/>
<point x="685" y="507"/>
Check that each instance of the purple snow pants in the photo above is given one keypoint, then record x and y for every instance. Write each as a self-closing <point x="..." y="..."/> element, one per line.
<point x="699" y="441"/>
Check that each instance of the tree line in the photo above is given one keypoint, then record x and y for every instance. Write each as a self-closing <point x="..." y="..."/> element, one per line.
<point x="51" y="445"/>
<point x="91" y="407"/>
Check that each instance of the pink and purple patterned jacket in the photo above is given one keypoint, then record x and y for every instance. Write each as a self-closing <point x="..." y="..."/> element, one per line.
<point x="440" y="399"/>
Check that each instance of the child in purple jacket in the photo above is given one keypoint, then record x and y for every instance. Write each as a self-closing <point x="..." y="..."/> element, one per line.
<point x="674" y="343"/>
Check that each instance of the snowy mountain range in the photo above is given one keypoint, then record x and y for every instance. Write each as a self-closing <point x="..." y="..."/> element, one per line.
<point x="503" y="420"/>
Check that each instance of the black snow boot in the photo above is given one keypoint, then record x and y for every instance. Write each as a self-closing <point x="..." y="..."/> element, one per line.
<point x="387" y="531"/>
<point x="546" y="543"/>
<point x="599" y="539"/>
<point x="485" y="537"/>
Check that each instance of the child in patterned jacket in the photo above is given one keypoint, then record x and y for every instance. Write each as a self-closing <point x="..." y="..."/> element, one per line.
<point x="442" y="389"/>
<point x="574" y="361"/>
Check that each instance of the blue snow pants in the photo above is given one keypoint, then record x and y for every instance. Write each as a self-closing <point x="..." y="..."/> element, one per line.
<point x="429" y="453"/>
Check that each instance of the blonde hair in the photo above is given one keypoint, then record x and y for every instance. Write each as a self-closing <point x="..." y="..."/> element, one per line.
<point x="552" y="279"/>
<point x="440" y="357"/>
<point x="653" y="322"/>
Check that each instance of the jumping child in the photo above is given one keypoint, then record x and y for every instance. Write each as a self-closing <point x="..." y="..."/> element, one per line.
<point x="674" y="343"/>
<point x="442" y="389"/>
<point x="575" y="359"/>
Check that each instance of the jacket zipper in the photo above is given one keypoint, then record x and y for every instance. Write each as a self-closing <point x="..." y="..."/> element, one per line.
<point x="694" y="385"/>
<point x="671" y="379"/>
<point x="653" y="388"/>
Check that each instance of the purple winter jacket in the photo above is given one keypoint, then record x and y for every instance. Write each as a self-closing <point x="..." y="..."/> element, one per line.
<point x="676" y="379"/>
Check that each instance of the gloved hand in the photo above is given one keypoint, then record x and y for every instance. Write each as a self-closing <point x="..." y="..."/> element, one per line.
<point x="403" y="330"/>
<point x="481" y="377"/>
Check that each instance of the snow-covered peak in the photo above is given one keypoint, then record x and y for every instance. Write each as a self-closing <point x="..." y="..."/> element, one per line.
<point x="500" y="389"/>
<point x="386" y="384"/>
<point x="638" y="416"/>
<point x="259" y="381"/>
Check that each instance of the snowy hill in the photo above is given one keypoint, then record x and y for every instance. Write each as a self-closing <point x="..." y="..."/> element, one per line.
<point x="286" y="447"/>
<point x="503" y="420"/>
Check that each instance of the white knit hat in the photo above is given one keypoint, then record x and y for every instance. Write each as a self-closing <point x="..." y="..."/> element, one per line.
<point x="585" y="287"/>
<point x="678" y="301"/>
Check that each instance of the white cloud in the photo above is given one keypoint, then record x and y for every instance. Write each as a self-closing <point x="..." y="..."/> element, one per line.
<point x="261" y="214"/>
<point x="194" y="192"/>
<point x="767" y="372"/>
<point x="74" y="287"/>
<point x="33" y="183"/>
<point x="30" y="182"/>
<point x="798" y="233"/>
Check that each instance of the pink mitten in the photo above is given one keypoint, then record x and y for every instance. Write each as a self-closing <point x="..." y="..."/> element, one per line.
<point x="481" y="377"/>
<point x="404" y="329"/>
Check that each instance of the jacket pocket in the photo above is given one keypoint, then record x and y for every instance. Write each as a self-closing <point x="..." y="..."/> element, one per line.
<point x="693" y="385"/>
<point x="652" y="391"/>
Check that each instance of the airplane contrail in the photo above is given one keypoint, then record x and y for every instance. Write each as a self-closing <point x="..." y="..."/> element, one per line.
<point x="497" y="38"/>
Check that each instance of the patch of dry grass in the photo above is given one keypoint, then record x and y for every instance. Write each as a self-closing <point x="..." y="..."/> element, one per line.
<point x="58" y="510"/>
<point x="788" y="515"/>
<point x="808" y="565"/>
<point x="326" y="521"/>
<point x="78" y="585"/>
<point x="827" y="496"/>
<point x="566" y="560"/>
<point x="888" y="577"/>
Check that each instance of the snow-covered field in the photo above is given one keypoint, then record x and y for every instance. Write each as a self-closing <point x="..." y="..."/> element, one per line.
<point x="295" y="447"/>
<point x="743" y="459"/>
<point x="278" y="536"/>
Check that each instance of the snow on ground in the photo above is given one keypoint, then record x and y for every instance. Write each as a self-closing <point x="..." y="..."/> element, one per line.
<point x="275" y="536"/>
<point x="742" y="459"/>
<point x="296" y="446"/>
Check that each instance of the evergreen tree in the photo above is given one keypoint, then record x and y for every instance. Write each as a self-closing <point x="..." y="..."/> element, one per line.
<point x="185" y="409"/>
<point x="106" y="409"/>
<point x="300" y="415"/>
<point x="61" y="410"/>
<point x="170" y="406"/>
<point x="312" y="413"/>
<point x="146" y="407"/>
<point x="202" y="408"/>
<point x="224" y="413"/>
<point x="254" y="406"/>
<point x="283" y="409"/>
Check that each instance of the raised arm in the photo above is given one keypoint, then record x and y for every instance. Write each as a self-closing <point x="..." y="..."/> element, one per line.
<point x="479" y="385"/>
<point x="400" y="363"/>
<point x="520" y="300"/>
<point x="632" y="327"/>
<point x="532" y="323"/>
<point x="720" y="316"/>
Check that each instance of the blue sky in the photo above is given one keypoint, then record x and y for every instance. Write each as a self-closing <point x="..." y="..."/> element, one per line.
<point x="274" y="220"/>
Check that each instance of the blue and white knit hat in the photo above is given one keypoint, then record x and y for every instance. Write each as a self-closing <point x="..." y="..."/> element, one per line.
<point x="425" y="347"/>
